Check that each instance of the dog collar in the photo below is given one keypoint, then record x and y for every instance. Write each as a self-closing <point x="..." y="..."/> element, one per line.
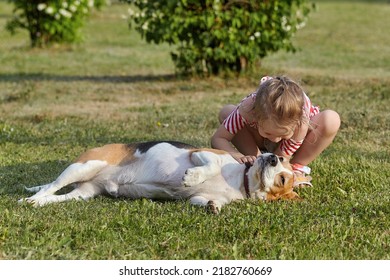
<point x="246" y="180"/>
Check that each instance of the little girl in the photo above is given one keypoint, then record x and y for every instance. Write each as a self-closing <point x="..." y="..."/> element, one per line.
<point x="278" y="118"/>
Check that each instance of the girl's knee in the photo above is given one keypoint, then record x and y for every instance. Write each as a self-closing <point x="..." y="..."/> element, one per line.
<point x="331" y="122"/>
<point x="225" y="112"/>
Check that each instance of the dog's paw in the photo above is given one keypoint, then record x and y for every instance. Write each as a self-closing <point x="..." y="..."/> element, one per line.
<point x="212" y="207"/>
<point x="22" y="200"/>
<point x="112" y="189"/>
<point x="30" y="201"/>
<point x="193" y="176"/>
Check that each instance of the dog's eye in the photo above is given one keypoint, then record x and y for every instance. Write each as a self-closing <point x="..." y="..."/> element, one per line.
<point x="282" y="179"/>
<point x="281" y="159"/>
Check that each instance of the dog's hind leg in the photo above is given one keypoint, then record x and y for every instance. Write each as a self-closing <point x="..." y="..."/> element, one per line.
<point x="84" y="192"/>
<point x="74" y="173"/>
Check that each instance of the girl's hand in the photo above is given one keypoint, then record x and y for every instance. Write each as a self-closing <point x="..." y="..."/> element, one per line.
<point x="246" y="159"/>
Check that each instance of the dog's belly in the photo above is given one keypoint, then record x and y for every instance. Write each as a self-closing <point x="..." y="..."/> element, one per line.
<point x="153" y="175"/>
<point x="155" y="182"/>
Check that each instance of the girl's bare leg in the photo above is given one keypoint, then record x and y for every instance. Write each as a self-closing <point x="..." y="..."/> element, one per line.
<point x="325" y="127"/>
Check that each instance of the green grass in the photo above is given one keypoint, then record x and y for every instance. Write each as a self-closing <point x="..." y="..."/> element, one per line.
<point x="56" y="103"/>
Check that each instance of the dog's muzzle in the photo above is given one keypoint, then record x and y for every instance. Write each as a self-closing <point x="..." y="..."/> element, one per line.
<point x="272" y="159"/>
<point x="269" y="159"/>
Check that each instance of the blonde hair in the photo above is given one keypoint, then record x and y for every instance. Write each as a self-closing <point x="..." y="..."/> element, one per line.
<point x="281" y="100"/>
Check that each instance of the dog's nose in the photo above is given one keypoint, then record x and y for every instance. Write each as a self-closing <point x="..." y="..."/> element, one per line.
<point x="273" y="160"/>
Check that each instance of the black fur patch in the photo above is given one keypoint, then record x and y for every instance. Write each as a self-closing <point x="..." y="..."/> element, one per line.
<point x="143" y="147"/>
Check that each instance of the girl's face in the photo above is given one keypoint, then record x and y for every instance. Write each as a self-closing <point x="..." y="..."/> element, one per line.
<point x="268" y="129"/>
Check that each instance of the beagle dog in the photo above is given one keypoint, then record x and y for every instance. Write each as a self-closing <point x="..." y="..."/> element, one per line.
<point x="169" y="171"/>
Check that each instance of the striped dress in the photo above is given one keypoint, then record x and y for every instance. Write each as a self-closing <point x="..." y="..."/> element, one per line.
<point x="235" y="122"/>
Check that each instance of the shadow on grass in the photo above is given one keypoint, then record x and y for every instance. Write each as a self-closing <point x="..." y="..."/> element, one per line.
<point x="22" y="77"/>
<point x="14" y="178"/>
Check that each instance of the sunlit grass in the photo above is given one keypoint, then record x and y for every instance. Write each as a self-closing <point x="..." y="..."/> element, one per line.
<point x="342" y="38"/>
<point x="114" y="87"/>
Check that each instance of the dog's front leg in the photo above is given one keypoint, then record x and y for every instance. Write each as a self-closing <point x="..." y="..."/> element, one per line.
<point x="208" y="165"/>
<point x="213" y="206"/>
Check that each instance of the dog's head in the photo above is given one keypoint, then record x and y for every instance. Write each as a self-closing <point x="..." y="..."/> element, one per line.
<point x="271" y="178"/>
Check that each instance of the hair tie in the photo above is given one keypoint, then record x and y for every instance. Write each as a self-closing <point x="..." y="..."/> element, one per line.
<point x="264" y="79"/>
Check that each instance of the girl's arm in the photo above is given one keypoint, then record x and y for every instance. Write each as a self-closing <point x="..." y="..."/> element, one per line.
<point x="222" y="140"/>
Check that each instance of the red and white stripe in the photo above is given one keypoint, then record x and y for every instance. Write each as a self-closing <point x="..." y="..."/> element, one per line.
<point x="234" y="122"/>
<point x="290" y="146"/>
<point x="309" y="109"/>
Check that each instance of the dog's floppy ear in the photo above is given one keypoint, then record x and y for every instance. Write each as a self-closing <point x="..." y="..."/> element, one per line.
<point x="291" y="196"/>
<point x="283" y="188"/>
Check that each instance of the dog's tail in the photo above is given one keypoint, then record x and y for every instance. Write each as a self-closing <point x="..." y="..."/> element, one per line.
<point x="34" y="189"/>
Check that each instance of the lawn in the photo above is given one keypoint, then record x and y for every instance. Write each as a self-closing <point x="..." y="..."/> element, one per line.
<point x="114" y="87"/>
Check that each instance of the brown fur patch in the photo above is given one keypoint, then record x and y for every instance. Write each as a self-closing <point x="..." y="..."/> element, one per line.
<point x="282" y="191"/>
<point x="113" y="154"/>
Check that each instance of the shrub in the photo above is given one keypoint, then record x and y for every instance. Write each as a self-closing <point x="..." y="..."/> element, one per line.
<point x="51" y="21"/>
<point x="219" y="35"/>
